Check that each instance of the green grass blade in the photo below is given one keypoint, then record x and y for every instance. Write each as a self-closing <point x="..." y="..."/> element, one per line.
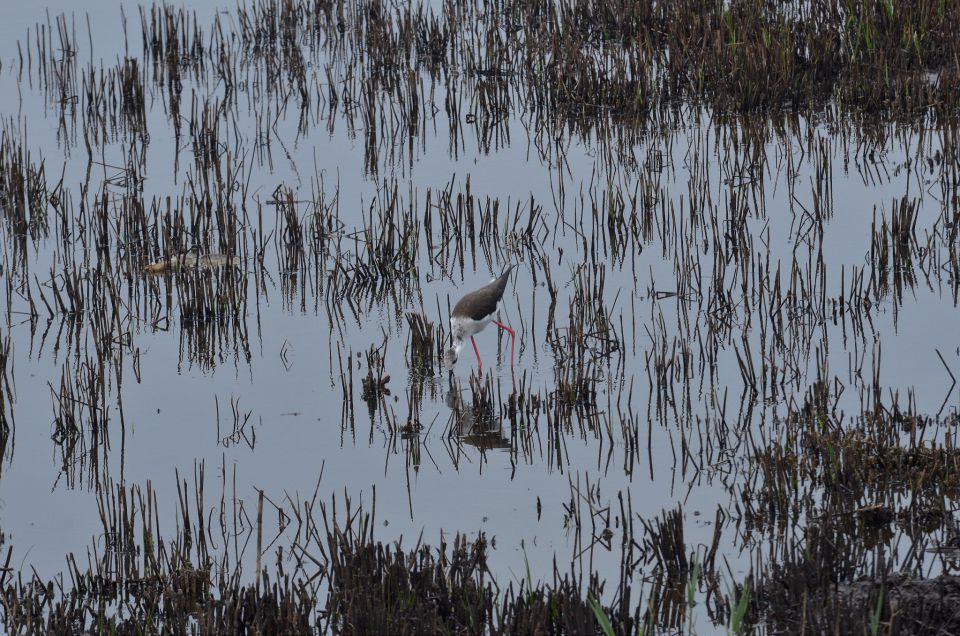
<point x="601" y="615"/>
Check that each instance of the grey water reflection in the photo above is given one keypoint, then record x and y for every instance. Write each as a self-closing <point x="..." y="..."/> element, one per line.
<point x="233" y="239"/>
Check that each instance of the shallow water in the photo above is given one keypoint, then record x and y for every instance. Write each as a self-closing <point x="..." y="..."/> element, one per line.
<point x="703" y="226"/>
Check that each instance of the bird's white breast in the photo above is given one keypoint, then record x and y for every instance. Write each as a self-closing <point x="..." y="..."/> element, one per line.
<point x="464" y="327"/>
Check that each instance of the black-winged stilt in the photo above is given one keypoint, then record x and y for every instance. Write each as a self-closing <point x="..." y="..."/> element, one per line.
<point x="473" y="313"/>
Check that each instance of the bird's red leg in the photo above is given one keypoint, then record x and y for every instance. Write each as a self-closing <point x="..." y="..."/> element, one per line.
<point x="513" y="338"/>
<point x="476" y="351"/>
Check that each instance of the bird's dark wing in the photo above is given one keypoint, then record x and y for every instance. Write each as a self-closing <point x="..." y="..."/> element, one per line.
<point x="498" y="286"/>
<point x="481" y="303"/>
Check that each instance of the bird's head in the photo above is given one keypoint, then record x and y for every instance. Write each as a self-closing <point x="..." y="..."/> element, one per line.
<point x="451" y="355"/>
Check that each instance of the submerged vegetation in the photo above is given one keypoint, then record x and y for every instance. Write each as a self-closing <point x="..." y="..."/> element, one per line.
<point x="735" y="226"/>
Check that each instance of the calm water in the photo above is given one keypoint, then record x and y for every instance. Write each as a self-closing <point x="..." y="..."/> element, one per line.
<point x="707" y="233"/>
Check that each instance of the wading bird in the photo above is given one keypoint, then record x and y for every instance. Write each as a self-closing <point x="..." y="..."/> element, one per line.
<point x="472" y="314"/>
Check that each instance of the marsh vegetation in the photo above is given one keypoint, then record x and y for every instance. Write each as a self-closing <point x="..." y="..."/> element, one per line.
<point x="232" y="237"/>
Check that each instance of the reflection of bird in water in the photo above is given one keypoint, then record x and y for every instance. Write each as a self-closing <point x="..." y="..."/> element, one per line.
<point x="472" y="314"/>
<point x="483" y="433"/>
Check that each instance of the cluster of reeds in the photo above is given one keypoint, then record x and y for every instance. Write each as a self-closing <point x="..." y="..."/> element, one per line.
<point x="138" y="579"/>
<point x="854" y="487"/>
<point x="579" y="59"/>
